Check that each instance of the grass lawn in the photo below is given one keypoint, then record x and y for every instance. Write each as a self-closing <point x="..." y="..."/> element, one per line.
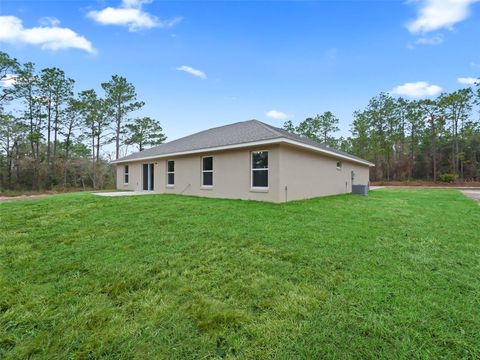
<point x="392" y="275"/>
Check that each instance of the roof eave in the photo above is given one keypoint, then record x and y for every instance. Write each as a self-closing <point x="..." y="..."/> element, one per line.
<point x="248" y="144"/>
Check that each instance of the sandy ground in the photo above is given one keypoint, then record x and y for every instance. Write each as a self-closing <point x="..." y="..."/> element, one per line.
<point x="473" y="194"/>
<point x="124" y="193"/>
<point x="23" y="197"/>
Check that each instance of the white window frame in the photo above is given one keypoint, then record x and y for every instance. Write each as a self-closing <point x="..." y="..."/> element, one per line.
<point x="259" y="169"/>
<point x="171" y="172"/>
<point x="339" y="165"/>
<point x="126" y="174"/>
<point x="206" y="171"/>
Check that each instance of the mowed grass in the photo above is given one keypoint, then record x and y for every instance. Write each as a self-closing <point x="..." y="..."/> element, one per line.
<point x="392" y="275"/>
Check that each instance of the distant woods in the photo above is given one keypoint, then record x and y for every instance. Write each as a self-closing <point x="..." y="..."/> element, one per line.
<point x="436" y="140"/>
<point x="53" y="137"/>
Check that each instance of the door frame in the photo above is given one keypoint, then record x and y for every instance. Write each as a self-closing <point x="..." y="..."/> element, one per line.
<point x="150" y="171"/>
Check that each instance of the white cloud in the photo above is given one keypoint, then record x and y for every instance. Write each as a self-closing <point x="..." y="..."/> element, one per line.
<point x="438" y="14"/>
<point x="426" y="40"/>
<point x="434" y="40"/>
<point x="468" y="80"/>
<point x="277" y="115"/>
<point x="8" y="80"/>
<point x="169" y="23"/>
<point x="417" y="89"/>
<point x="195" y="72"/>
<point x="135" y="3"/>
<point x="135" y="19"/>
<point x="49" y="21"/>
<point x="47" y="37"/>
<point x="130" y="14"/>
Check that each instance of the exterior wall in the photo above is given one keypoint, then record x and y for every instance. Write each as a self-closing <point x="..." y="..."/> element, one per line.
<point x="134" y="177"/>
<point x="304" y="173"/>
<point x="231" y="175"/>
<point x="307" y="174"/>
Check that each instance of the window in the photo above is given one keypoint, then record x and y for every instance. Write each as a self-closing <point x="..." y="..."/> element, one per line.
<point x="339" y="165"/>
<point x="125" y="175"/>
<point x="170" y="173"/>
<point x="207" y="171"/>
<point x="260" y="169"/>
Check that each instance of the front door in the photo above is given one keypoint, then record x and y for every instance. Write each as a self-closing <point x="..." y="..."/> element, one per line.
<point x="148" y="177"/>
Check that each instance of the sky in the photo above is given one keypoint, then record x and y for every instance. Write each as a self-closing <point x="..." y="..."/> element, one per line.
<point x="201" y="64"/>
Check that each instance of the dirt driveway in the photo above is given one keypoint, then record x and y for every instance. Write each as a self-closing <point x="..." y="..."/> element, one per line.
<point x="23" y="197"/>
<point x="473" y="194"/>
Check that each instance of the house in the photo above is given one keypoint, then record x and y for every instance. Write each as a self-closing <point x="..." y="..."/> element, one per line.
<point x="245" y="160"/>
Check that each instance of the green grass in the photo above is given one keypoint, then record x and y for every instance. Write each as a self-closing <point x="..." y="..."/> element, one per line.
<point x="392" y="275"/>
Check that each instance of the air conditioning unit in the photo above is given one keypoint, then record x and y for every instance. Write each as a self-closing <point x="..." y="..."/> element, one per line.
<point x="360" y="189"/>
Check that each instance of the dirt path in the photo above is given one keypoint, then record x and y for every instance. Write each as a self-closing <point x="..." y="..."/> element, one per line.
<point x="23" y="197"/>
<point x="472" y="194"/>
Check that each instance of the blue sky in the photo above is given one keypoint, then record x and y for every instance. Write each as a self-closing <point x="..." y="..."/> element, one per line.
<point x="244" y="60"/>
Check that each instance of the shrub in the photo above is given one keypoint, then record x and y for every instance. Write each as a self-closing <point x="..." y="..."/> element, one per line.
<point x="447" y="178"/>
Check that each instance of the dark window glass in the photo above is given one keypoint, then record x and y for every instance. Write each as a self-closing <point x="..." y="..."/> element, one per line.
<point x="171" y="179"/>
<point x="260" y="160"/>
<point x="260" y="178"/>
<point x="171" y="166"/>
<point x="126" y="169"/>
<point x="208" y="178"/>
<point x="208" y="163"/>
<point x="125" y="180"/>
<point x="145" y="177"/>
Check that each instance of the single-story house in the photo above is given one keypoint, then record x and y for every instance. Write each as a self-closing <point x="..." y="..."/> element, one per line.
<point x="245" y="160"/>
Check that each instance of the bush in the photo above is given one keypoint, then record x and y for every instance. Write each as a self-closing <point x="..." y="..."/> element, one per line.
<point x="447" y="178"/>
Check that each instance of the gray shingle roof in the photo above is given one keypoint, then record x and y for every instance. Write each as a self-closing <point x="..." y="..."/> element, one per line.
<point x="233" y="134"/>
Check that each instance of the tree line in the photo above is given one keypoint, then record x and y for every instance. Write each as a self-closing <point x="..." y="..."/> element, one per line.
<point x="429" y="139"/>
<point x="52" y="137"/>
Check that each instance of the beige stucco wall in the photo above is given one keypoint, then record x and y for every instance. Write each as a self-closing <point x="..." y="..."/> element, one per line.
<point x="305" y="174"/>
<point x="135" y="176"/>
<point x="231" y="175"/>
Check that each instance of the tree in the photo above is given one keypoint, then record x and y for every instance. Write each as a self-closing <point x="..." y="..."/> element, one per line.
<point x="381" y="123"/>
<point x="46" y="82"/>
<point x="456" y="108"/>
<point x="72" y="122"/>
<point x="55" y="90"/>
<point x="360" y="142"/>
<point x="45" y="125"/>
<point x="63" y="91"/>
<point x="432" y="112"/>
<point x="26" y="88"/>
<point x="288" y="125"/>
<point x="120" y="97"/>
<point x="309" y="128"/>
<point x="93" y="110"/>
<point x="328" y="124"/>
<point x="6" y="140"/>
<point x="414" y="124"/>
<point x="477" y="92"/>
<point x="145" y="131"/>
<point x="320" y="128"/>
<point x="8" y="69"/>
<point x="12" y="134"/>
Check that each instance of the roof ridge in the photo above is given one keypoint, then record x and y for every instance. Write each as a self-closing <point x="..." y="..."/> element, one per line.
<point x="212" y="128"/>
<point x="269" y="127"/>
<point x="199" y="132"/>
